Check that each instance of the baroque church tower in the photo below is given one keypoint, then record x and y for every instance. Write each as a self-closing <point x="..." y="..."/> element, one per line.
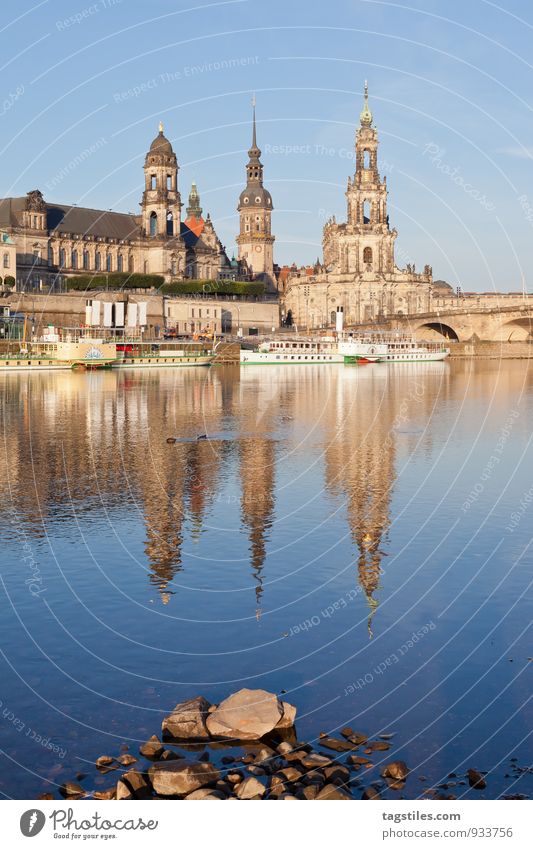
<point x="365" y="243"/>
<point x="255" y="239"/>
<point x="161" y="202"/>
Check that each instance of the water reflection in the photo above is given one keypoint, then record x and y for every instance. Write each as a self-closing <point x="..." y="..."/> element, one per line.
<point x="84" y="443"/>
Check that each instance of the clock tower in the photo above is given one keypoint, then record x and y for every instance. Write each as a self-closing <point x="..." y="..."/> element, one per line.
<point x="255" y="240"/>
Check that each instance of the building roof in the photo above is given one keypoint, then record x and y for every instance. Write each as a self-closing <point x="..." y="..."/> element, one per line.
<point x="81" y="220"/>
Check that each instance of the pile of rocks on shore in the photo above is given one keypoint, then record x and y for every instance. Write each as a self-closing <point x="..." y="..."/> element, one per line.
<point x="270" y="763"/>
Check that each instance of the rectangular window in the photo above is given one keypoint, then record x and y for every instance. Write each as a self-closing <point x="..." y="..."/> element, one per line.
<point x="6" y="260"/>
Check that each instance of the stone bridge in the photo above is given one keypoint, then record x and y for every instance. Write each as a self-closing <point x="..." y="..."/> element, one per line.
<point x="494" y="324"/>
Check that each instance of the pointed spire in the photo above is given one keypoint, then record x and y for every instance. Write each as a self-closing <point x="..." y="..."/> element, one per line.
<point x="254" y="153"/>
<point x="366" y="115"/>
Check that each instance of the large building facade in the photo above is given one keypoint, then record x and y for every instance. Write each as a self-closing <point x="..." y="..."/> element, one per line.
<point x="359" y="277"/>
<point x="56" y="240"/>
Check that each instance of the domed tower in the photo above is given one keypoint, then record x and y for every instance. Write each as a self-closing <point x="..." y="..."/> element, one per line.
<point x="161" y="203"/>
<point x="255" y="239"/>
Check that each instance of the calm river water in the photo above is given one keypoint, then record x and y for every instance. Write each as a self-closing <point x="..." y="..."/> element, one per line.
<point x="358" y="538"/>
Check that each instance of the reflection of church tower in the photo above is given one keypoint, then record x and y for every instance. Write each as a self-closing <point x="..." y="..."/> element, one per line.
<point x="360" y="467"/>
<point x="257" y="502"/>
<point x="255" y="239"/>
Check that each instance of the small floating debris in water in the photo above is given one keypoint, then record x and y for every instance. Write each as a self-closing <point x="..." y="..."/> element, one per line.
<point x="201" y="436"/>
<point x="171" y="440"/>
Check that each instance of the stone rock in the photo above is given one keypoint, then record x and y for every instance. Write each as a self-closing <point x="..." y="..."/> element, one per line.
<point x="398" y="770"/>
<point x="330" y="792"/>
<point x="153" y="748"/>
<point x="264" y="755"/>
<point x="44" y="796"/>
<point x="255" y="770"/>
<point x="290" y="774"/>
<point x="104" y="761"/>
<point x="357" y="739"/>
<point x="357" y="761"/>
<point x="71" y="789"/>
<point x="337" y="774"/>
<point x="309" y="792"/>
<point x="246" y="715"/>
<point x="110" y="793"/>
<point x="347" y="731"/>
<point x="336" y="745"/>
<point x="126" y="760"/>
<point x="250" y="788"/>
<point x="289" y="716"/>
<point x="476" y="780"/>
<point x="378" y="746"/>
<point x="169" y="755"/>
<point x="314" y="761"/>
<point x="187" y="720"/>
<point x="179" y="778"/>
<point x="235" y="777"/>
<point x="284" y="748"/>
<point x="205" y="793"/>
<point x="133" y="785"/>
<point x="371" y="793"/>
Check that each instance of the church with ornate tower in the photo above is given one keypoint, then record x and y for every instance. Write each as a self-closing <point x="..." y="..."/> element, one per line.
<point x="359" y="276"/>
<point x="55" y="240"/>
<point x="255" y="240"/>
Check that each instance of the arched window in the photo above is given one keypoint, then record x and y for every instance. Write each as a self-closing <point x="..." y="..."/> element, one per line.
<point x="332" y="318"/>
<point x="74" y="259"/>
<point x="50" y="255"/>
<point x="62" y="257"/>
<point x="153" y="182"/>
<point x="153" y="224"/>
<point x="108" y="262"/>
<point x="173" y="267"/>
<point x="169" y="182"/>
<point x="35" y="222"/>
<point x="145" y="266"/>
<point x="366" y="212"/>
<point x="170" y="224"/>
<point x="120" y="263"/>
<point x="98" y="260"/>
<point x="366" y="159"/>
<point x="131" y="264"/>
<point x="367" y="255"/>
<point x="85" y="260"/>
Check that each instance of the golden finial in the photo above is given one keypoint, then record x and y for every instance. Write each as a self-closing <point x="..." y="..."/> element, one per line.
<point x="160" y="126"/>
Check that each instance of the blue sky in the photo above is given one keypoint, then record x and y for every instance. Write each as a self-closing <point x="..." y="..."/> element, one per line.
<point x="451" y="88"/>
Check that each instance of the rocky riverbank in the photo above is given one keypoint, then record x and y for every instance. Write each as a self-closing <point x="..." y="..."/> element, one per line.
<point x="247" y="748"/>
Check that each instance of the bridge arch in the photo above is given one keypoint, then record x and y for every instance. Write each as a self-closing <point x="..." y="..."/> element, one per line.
<point x="438" y="330"/>
<point x="516" y="330"/>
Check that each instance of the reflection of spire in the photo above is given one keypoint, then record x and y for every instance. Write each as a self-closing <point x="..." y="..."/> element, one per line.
<point x="257" y="502"/>
<point x="360" y="465"/>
